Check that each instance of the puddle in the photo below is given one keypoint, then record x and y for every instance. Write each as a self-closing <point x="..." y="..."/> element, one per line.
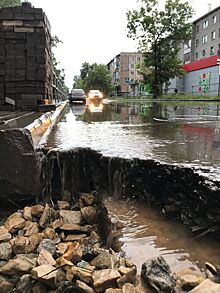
<point x="147" y="233"/>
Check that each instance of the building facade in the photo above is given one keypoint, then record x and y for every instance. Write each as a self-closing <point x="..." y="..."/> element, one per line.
<point x="124" y="73"/>
<point x="206" y="35"/>
<point x="199" y="57"/>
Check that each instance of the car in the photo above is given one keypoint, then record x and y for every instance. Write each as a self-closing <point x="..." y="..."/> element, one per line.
<point x="95" y="95"/>
<point x="77" y="95"/>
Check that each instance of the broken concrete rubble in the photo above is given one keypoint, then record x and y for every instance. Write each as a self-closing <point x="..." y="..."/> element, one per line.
<point x="56" y="250"/>
<point x="157" y="273"/>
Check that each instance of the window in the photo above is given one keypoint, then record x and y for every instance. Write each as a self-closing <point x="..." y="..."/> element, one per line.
<point x="204" y="39"/>
<point x="197" y="42"/>
<point x="213" y="35"/>
<point x="205" y="24"/>
<point x="212" y="50"/>
<point x="132" y="72"/>
<point x="197" y="55"/>
<point x="203" y="53"/>
<point x="132" y="65"/>
<point x="197" y="28"/>
<point x="214" y="18"/>
<point x="138" y="58"/>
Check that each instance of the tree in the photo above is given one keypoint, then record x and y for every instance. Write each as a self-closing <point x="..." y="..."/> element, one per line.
<point x="78" y="82"/>
<point x="59" y="73"/>
<point x="9" y="3"/>
<point x="85" y="69"/>
<point x="98" y="77"/>
<point x="160" y="34"/>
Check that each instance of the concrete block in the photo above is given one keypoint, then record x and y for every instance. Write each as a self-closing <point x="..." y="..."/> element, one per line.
<point x="24" y="29"/>
<point x="39" y="16"/>
<point x="17" y="9"/>
<point x="9" y="101"/>
<point x="18" y="163"/>
<point x="2" y="71"/>
<point x="12" y="22"/>
<point x="10" y="71"/>
<point x="29" y="96"/>
<point x="7" y="16"/>
<point x="34" y="23"/>
<point x="15" y="36"/>
<point x="10" y="90"/>
<point x="24" y="16"/>
<point x="38" y="11"/>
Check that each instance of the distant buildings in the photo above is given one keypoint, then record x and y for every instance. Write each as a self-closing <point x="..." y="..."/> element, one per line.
<point x="199" y="56"/>
<point x="125" y="77"/>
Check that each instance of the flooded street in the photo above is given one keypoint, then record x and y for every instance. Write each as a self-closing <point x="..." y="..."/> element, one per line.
<point x="185" y="134"/>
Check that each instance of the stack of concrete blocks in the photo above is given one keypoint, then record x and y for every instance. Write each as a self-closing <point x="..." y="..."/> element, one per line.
<point x="25" y="56"/>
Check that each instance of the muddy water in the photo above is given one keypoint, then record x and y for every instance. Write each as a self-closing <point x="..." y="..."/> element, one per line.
<point x="187" y="134"/>
<point x="147" y="233"/>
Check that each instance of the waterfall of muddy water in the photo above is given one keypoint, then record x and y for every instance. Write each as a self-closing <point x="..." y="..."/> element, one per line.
<point x="147" y="233"/>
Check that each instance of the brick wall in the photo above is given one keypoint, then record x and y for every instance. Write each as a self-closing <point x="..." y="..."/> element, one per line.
<point x="25" y="56"/>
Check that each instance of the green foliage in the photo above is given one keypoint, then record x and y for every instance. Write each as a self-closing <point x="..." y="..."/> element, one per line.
<point x="59" y="73"/>
<point x="98" y="77"/>
<point x="93" y="76"/>
<point x="54" y="43"/>
<point x="78" y="82"/>
<point x="85" y="69"/>
<point x="9" y="3"/>
<point x="160" y="34"/>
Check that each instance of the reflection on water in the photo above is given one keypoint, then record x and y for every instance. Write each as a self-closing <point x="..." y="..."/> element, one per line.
<point x="172" y="133"/>
<point x="147" y="234"/>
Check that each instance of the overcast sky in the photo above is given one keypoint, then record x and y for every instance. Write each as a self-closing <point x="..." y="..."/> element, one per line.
<point x="94" y="30"/>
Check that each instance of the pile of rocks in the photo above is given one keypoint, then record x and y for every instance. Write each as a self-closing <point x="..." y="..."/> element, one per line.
<point x="47" y="248"/>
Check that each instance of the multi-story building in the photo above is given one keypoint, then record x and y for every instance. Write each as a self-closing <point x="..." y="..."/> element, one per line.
<point x="200" y="56"/>
<point x="206" y="35"/>
<point x="124" y="73"/>
<point x="202" y="72"/>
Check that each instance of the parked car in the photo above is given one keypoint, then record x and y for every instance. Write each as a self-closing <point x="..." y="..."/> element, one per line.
<point x="95" y="95"/>
<point x="77" y="95"/>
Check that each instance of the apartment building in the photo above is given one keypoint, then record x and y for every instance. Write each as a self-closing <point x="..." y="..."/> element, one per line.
<point x="202" y="72"/>
<point x="206" y="35"/>
<point x="199" y="57"/>
<point x="124" y="73"/>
